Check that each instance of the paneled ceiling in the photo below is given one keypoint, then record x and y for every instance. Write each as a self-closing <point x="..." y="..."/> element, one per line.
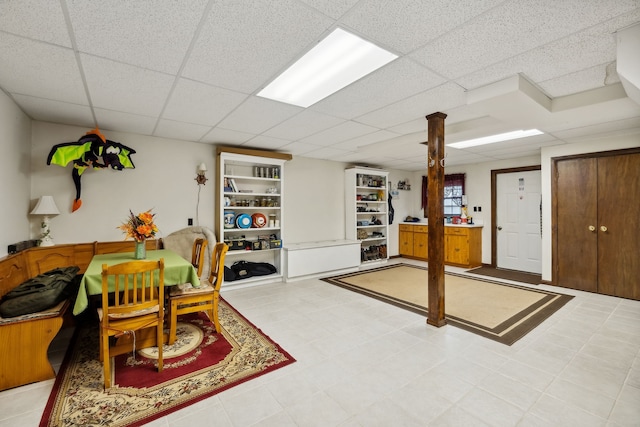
<point x="189" y="70"/>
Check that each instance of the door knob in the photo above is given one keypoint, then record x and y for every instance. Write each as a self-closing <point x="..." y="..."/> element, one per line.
<point x="499" y="228"/>
<point x="592" y="228"/>
<point x="603" y="228"/>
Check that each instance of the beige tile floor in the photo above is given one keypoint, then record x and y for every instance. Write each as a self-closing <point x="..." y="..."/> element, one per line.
<point x="361" y="362"/>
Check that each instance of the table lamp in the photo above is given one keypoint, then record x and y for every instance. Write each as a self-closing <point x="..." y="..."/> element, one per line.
<point x="46" y="206"/>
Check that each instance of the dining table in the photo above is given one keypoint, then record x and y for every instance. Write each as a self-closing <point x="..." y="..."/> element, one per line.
<point x="177" y="270"/>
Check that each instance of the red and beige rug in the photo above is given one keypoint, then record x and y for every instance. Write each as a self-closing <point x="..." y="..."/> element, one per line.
<point x="199" y="364"/>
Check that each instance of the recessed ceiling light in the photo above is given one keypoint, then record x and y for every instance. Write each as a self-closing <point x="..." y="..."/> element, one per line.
<point x="337" y="61"/>
<point x="495" y="138"/>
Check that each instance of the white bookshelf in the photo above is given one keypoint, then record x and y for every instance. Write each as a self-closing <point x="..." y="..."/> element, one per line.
<point x="366" y="209"/>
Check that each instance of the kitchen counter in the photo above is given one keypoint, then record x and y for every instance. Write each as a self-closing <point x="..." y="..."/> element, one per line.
<point x="446" y="224"/>
<point x="462" y="243"/>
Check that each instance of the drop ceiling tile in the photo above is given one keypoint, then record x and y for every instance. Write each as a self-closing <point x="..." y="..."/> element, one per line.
<point x="333" y="8"/>
<point x="199" y="103"/>
<point x="262" y="142"/>
<point x="299" y="148"/>
<point x="407" y="25"/>
<point x="304" y="124"/>
<point x="124" y="122"/>
<point x="36" y="19"/>
<point x="397" y="80"/>
<point x="40" y="69"/>
<point x="579" y="81"/>
<point x="237" y="51"/>
<point x="397" y="148"/>
<point x="219" y="135"/>
<point x="396" y="145"/>
<point x="358" y="158"/>
<point x="364" y="140"/>
<point x="595" y="46"/>
<point x="341" y="132"/>
<point x="511" y="29"/>
<point x="256" y="115"/>
<point x="180" y="130"/>
<point x="142" y="32"/>
<point x="412" y="126"/>
<point x="125" y="88"/>
<point x="329" y="153"/>
<point x="457" y="157"/>
<point x="47" y="110"/>
<point x="441" y="98"/>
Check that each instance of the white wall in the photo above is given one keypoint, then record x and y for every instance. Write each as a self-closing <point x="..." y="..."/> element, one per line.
<point x="163" y="179"/>
<point x="15" y="138"/>
<point x="314" y="204"/>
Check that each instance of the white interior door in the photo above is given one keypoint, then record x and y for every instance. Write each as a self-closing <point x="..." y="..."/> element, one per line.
<point x="518" y="221"/>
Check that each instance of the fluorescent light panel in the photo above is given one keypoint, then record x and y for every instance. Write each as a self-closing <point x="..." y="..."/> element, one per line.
<point x="496" y="138"/>
<point x="337" y="61"/>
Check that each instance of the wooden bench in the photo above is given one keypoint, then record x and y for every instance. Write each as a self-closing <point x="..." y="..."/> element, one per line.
<point x="25" y="340"/>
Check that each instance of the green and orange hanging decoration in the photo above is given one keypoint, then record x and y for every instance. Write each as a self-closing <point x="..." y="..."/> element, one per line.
<point x="91" y="150"/>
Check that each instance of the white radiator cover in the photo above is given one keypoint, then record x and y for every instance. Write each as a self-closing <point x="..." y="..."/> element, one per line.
<point x="313" y="258"/>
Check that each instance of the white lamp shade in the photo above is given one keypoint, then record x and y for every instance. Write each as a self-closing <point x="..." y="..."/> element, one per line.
<point x="202" y="168"/>
<point x="45" y="206"/>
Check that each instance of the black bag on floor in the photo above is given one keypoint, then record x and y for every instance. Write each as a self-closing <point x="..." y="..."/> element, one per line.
<point x="40" y="292"/>
<point x="229" y="274"/>
<point x="246" y="269"/>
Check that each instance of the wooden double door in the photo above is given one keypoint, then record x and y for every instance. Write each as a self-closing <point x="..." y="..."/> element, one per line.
<point x="596" y="209"/>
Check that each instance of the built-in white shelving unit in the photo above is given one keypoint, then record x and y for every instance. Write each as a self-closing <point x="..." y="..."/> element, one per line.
<point x="250" y="188"/>
<point x="366" y="208"/>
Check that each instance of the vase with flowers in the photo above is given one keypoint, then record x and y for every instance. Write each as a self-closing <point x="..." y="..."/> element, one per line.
<point x="140" y="228"/>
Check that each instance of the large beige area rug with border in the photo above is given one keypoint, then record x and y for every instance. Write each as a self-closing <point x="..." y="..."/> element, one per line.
<point x="199" y="364"/>
<point x="501" y="312"/>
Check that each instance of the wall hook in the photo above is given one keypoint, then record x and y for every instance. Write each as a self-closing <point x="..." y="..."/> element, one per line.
<point x="432" y="162"/>
<point x="442" y="160"/>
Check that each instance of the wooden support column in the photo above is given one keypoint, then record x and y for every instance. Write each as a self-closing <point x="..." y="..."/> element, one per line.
<point x="435" y="193"/>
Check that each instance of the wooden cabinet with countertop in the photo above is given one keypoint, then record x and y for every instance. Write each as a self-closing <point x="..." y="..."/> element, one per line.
<point x="405" y="234"/>
<point x="462" y="244"/>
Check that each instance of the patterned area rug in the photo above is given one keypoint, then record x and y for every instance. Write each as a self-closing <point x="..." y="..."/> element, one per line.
<point x="500" y="273"/>
<point x="199" y="364"/>
<point x="501" y="312"/>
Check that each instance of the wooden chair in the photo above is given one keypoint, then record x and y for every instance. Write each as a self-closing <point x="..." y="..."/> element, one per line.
<point x="187" y="299"/>
<point x="197" y="254"/>
<point x="136" y="302"/>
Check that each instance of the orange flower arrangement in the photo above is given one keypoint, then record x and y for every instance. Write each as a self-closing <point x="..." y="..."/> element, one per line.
<point x="140" y="227"/>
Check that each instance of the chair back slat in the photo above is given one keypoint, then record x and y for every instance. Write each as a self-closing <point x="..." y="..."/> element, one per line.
<point x="216" y="276"/>
<point x="197" y="254"/>
<point x="135" y="285"/>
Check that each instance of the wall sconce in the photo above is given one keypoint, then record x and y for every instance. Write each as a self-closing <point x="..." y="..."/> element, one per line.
<point x="200" y="178"/>
<point x="46" y="206"/>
